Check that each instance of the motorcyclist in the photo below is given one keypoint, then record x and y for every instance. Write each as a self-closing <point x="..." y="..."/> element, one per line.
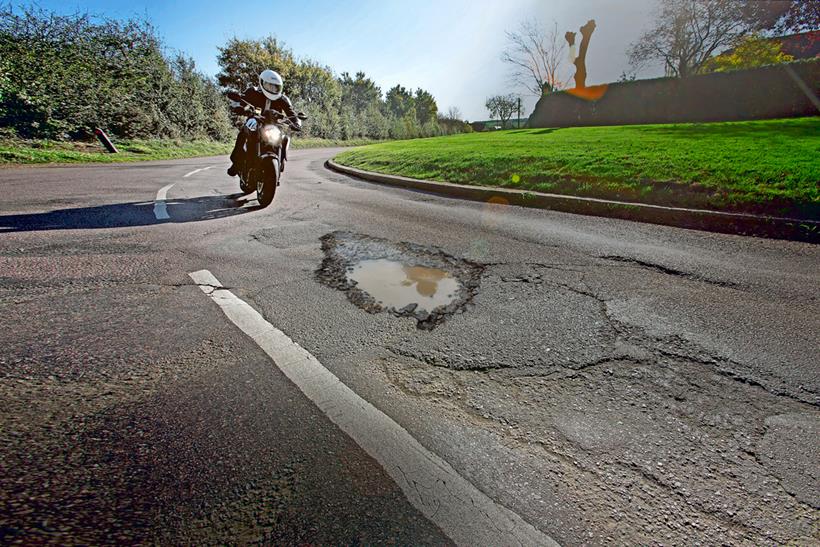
<point x="267" y="95"/>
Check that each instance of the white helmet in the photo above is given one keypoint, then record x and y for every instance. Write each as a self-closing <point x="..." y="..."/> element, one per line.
<point x="271" y="84"/>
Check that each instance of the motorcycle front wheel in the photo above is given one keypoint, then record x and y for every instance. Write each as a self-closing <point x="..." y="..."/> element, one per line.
<point x="245" y="185"/>
<point x="268" y="181"/>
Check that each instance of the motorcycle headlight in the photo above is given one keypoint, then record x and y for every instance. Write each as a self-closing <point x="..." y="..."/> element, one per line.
<point x="272" y="135"/>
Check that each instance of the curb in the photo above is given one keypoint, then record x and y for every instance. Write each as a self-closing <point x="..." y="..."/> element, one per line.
<point x="697" y="219"/>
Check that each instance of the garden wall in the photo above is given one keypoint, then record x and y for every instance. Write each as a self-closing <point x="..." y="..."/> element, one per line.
<point x="780" y="91"/>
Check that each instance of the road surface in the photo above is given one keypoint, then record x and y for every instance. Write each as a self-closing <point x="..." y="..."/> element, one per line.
<point x="604" y="382"/>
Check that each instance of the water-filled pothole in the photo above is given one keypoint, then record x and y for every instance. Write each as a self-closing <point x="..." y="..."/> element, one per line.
<point x="405" y="279"/>
<point x="397" y="285"/>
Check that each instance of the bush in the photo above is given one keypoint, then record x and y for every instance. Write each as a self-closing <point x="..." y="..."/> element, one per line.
<point x="344" y="107"/>
<point x="62" y="76"/>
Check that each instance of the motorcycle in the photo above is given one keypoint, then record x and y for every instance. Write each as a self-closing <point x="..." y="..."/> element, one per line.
<point x="266" y="148"/>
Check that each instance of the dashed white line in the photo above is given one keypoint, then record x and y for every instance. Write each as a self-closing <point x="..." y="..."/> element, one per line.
<point x="160" y="211"/>
<point x="463" y="512"/>
<point x="195" y="171"/>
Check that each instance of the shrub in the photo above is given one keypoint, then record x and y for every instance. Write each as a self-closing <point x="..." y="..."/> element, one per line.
<point x="62" y="76"/>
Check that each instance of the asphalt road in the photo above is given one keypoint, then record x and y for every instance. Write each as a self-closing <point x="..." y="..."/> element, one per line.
<point x="609" y="382"/>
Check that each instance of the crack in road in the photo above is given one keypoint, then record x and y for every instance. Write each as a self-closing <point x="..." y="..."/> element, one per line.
<point x="681" y="371"/>
<point x="682" y="402"/>
<point x="668" y="271"/>
<point x="655" y="345"/>
<point x="696" y="501"/>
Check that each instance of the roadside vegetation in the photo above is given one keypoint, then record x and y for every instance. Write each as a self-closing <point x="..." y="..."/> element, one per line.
<point x="340" y="107"/>
<point x="19" y="151"/>
<point x="62" y="76"/>
<point x="767" y="166"/>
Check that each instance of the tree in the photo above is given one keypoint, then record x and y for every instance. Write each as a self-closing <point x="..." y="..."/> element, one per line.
<point x="784" y="16"/>
<point x="686" y="33"/>
<point x="399" y="101"/>
<point x="315" y="90"/>
<point x="801" y="16"/>
<point x="241" y="61"/>
<point x="502" y="107"/>
<point x="426" y="107"/>
<point x="310" y="86"/>
<point x="344" y="107"/>
<point x="359" y="93"/>
<point x="64" y="75"/>
<point x="453" y="114"/>
<point x="377" y="126"/>
<point x="750" y="52"/>
<point x="535" y="56"/>
<point x="360" y="101"/>
<point x="451" y="122"/>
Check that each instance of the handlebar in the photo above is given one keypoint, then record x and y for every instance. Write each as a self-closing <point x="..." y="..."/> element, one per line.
<point x="269" y="116"/>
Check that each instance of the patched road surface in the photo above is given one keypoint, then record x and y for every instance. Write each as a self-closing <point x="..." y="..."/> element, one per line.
<point x="377" y="365"/>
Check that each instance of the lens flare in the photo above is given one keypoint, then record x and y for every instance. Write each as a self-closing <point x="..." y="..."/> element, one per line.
<point x="591" y="93"/>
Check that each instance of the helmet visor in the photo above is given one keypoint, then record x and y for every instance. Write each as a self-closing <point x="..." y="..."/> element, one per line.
<point x="272" y="87"/>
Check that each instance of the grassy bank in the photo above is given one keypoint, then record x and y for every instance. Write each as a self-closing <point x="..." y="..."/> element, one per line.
<point x="32" y="152"/>
<point x="770" y="166"/>
<point x="314" y="142"/>
<point x="15" y="151"/>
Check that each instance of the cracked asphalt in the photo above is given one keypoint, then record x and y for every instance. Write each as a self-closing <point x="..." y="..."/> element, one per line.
<point x="611" y="382"/>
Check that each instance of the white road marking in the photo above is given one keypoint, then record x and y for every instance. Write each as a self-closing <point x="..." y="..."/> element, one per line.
<point x="463" y="512"/>
<point x="160" y="211"/>
<point x="195" y="171"/>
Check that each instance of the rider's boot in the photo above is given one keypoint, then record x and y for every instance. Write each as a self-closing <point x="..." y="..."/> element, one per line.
<point x="237" y="154"/>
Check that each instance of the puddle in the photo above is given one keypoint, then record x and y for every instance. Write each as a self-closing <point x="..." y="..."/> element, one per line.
<point x="404" y="279"/>
<point x="396" y="285"/>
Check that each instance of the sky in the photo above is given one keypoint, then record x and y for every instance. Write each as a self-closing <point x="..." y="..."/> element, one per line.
<point x="451" y="48"/>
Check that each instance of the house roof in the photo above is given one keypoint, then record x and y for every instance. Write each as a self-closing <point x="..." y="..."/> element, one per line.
<point x="805" y="45"/>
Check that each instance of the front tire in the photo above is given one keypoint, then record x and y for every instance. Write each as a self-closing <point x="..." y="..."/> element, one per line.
<point x="247" y="178"/>
<point x="245" y="185"/>
<point x="266" y="184"/>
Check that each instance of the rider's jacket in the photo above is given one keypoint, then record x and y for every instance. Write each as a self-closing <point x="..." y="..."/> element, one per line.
<point x="255" y="96"/>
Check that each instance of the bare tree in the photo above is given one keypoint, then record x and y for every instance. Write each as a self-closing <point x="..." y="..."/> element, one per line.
<point x="799" y="16"/>
<point x="535" y="55"/>
<point x="453" y="114"/>
<point x="784" y="16"/>
<point x="686" y="33"/>
<point x="502" y="107"/>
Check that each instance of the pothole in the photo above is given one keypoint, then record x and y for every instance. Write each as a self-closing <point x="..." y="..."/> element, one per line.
<point x="396" y="285"/>
<point x="404" y="279"/>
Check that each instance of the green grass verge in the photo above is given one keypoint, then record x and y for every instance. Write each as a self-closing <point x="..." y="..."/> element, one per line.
<point x="313" y="142"/>
<point x="32" y="152"/>
<point x="15" y="151"/>
<point x="770" y="166"/>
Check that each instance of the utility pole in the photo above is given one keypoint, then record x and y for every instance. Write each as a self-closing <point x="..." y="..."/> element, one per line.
<point x="519" y="112"/>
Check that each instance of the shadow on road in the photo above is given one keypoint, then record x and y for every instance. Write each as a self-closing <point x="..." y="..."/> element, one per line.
<point x="123" y="215"/>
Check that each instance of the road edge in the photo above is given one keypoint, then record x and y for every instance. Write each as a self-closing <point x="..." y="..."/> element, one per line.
<point x="680" y="217"/>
